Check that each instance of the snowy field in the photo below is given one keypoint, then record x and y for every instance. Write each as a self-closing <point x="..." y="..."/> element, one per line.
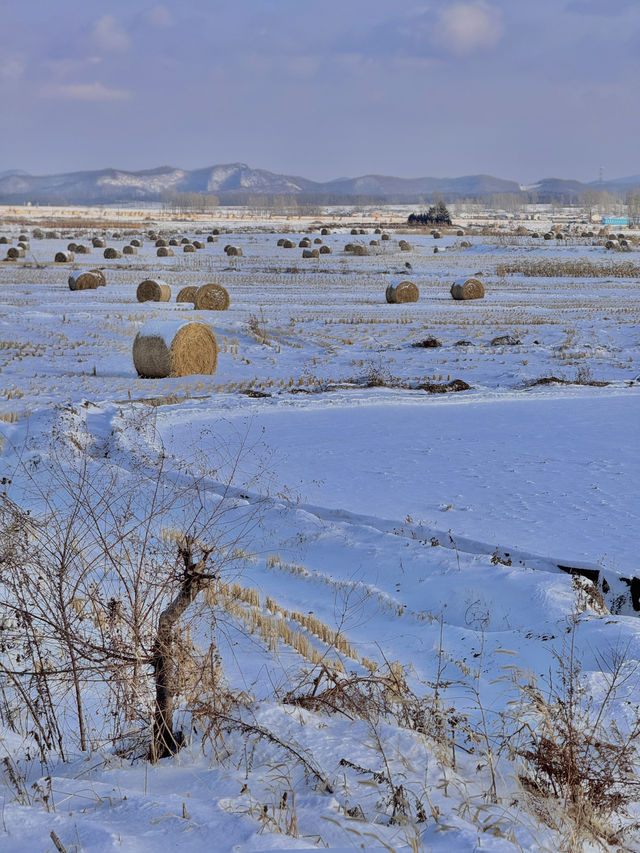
<point x="408" y="573"/>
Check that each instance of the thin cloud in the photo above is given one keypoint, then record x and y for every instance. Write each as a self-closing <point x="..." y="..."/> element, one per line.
<point x="466" y="27"/>
<point x="160" y="17"/>
<point x="109" y="36"/>
<point x="85" y="92"/>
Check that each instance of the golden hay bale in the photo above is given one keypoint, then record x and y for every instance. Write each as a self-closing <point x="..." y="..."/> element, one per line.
<point x="174" y="242"/>
<point x="61" y="257"/>
<point x="318" y="241"/>
<point x="167" y="348"/>
<point x="402" y="291"/>
<point x="15" y="252"/>
<point x="360" y="250"/>
<point x="187" y="294"/>
<point x="153" y="290"/>
<point x="288" y="244"/>
<point x="212" y="297"/>
<point x="234" y="252"/>
<point x="305" y="243"/>
<point x="521" y="231"/>
<point x="324" y="250"/>
<point x="111" y="254"/>
<point x="82" y="250"/>
<point x="310" y="253"/>
<point x="160" y="242"/>
<point x="467" y="288"/>
<point x="198" y="244"/>
<point x="164" y="252"/>
<point x="129" y="250"/>
<point x="188" y="247"/>
<point x="98" y="243"/>
<point x="85" y="280"/>
<point x="184" y="240"/>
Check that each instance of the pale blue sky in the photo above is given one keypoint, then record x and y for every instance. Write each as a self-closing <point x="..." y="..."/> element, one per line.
<point x="324" y="89"/>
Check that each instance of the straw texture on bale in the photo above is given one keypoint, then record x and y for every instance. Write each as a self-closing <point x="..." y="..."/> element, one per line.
<point x="71" y="247"/>
<point x="324" y="250"/>
<point x="101" y="276"/>
<point x="467" y="288"/>
<point x="187" y="294"/>
<point x="153" y="290"/>
<point x="61" y="257"/>
<point x="98" y="243"/>
<point x="111" y="254"/>
<point x="212" y="297"/>
<point x="137" y="243"/>
<point x="288" y="244"/>
<point x="129" y="250"/>
<point x="233" y="252"/>
<point x="160" y="242"/>
<point x="402" y="291"/>
<point x="174" y="242"/>
<point x="82" y="249"/>
<point x="280" y="241"/>
<point x="4" y="240"/>
<point x="85" y="280"/>
<point x="188" y="247"/>
<point x="185" y="240"/>
<point x="305" y="243"/>
<point x="166" y="349"/>
<point x="15" y="252"/>
<point x="318" y="241"/>
<point x="360" y="250"/>
<point x="164" y="252"/>
<point x="198" y="244"/>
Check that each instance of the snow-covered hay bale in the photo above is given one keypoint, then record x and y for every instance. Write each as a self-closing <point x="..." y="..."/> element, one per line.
<point x="324" y="250"/>
<point x="164" y="252"/>
<point x="467" y="288"/>
<point x="385" y="236"/>
<point x="101" y="276"/>
<point x="137" y="243"/>
<point x="85" y="280"/>
<point x="198" y="244"/>
<point x="212" y="297"/>
<point x="187" y="294"/>
<point x="63" y="257"/>
<point x="160" y="243"/>
<point x="288" y="244"/>
<point x="71" y="247"/>
<point x="153" y="290"/>
<point x="81" y="249"/>
<point x="234" y="251"/>
<point x="310" y="253"/>
<point x="98" y="243"/>
<point x="130" y="250"/>
<point x="166" y="348"/>
<point x="402" y="291"/>
<point x="111" y="254"/>
<point x="188" y="247"/>
<point x="305" y="243"/>
<point x="15" y="252"/>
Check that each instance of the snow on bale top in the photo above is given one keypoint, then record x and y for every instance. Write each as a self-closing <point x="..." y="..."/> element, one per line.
<point x="211" y="297"/>
<point x="86" y="280"/>
<point x="153" y="290"/>
<point x="169" y="348"/>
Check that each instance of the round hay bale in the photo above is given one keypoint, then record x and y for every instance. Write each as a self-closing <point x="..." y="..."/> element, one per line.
<point x="15" y="252"/>
<point x="610" y="244"/>
<point x="82" y="250"/>
<point x="129" y="250"/>
<point x="234" y="252"/>
<point x="168" y="348"/>
<point x="52" y="235"/>
<point x="24" y="246"/>
<point x="61" y="257"/>
<point x="23" y="238"/>
<point x="160" y="243"/>
<point x="548" y="236"/>
<point x="467" y="288"/>
<point x="98" y="243"/>
<point x="215" y="231"/>
<point x="459" y="233"/>
<point x="212" y="297"/>
<point x="288" y="244"/>
<point x="362" y="231"/>
<point x="111" y="254"/>
<point x="153" y="290"/>
<point x="280" y="242"/>
<point x="188" y="247"/>
<point x="521" y="231"/>
<point x="325" y="232"/>
<point x="37" y="234"/>
<point x="71" y="247"/>
<point x="318" y="241"/>
<point x="535" y="235"/>
<point x="310" y="253"/>
<point x="324" y="250"/>
<point x="559" y="236"/>
<point x="187" y="294"/>
<point x="164" y="252"/>
<point x="437" y="235"/>
<point x="116" y="235"/>
<point x="360" y="250"/>
<point x="85" y="280"/>
<point x="198" y="244"/>
<point x="374" y="242"/>
<point x="435" y="250"/>
<point x="354" y="231"/>
<point x="385" y="236"/>
<point x="212" y="239"/>
<point x="137" y="243"/>
<point x="101" y="277"/>
<point x="184" y="240"/>
<point x="349" y="247"/>
<point x="4" y="241"/>
<point x="402" y="291"/>
<point x="465" y="244"/>
<point x="378" y="231"/>
<point x="405" y="247"/>
<point x="174" y="242"/>
<point x="305" y="243"/>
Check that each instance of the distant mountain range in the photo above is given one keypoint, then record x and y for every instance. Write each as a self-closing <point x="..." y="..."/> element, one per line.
<point x="237" y="182"/>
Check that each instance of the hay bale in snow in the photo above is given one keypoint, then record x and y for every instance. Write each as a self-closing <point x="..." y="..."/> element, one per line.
<point x="98" y="243"/>
<point x="188" y="247"/>
<point x="288" y="244"/>
<point x="280" y="242"/>
<point x="405" y="246"/>
<point x="82" y="249"/>
<point x="402" y="291"/>
<point x="71" y="247"/>
<point x="212" y="239"/>
<point x="137" y="243"/>
<point x="15" y="252"/>
<point x="153" y="290"/>
<point x="198" y="244"/>
<point x="325" y="232"/>
<point x="233" y="252"/>
<point x="548" y="236"/>
<point x="212" y="297"/>
<point x="86" y="280"/>
<point x="167" y="348"/>
<point x="318" y="241"/>
<point x="467" y="288"/>
<point x="111" y="254"/>
<point x="101" y="276"/>
<point x="187" y="294"/>
<point x="60" y="257"/>
<point x="184" y="240"/>
<point x="385" y="236"/>
<point x="310" y="253"/>
<point x="164" y="252"/>
<point x="305" y="243"/>
<point x="4" y="241"/>
<point x="360" y="250"/>
<point x="129" y="250"/>
<point x="324" y="250"/>
<point x="160" y="243"/>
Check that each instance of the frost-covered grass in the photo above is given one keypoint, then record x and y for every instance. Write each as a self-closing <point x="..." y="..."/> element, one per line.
<point x="397" y="651"/>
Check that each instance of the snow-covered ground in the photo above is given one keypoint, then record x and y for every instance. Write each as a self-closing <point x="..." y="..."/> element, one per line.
<point x="427" y="529"/>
